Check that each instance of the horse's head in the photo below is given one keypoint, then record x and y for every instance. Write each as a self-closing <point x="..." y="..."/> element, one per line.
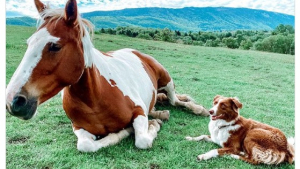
<point x="54" y="59"/>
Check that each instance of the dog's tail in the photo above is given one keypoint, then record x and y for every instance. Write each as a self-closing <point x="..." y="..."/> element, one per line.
<point x="291" y="150"/>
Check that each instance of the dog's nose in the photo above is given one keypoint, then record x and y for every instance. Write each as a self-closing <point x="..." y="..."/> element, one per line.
<point x="211" y="112"/>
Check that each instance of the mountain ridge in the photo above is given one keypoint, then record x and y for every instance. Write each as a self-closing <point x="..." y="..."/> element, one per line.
<point x="184" y="19"/>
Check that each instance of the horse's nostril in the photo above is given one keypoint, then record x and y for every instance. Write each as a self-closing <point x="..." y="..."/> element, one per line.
<point x="19" y="101"/>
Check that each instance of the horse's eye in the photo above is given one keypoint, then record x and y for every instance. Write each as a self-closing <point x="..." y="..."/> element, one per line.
<point x="54" y="47"/>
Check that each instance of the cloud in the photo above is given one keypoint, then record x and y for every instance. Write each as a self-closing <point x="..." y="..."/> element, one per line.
<point x="27" y="7"/>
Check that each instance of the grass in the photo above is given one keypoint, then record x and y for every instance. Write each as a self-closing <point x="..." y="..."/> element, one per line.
<point x="264" y="82"/>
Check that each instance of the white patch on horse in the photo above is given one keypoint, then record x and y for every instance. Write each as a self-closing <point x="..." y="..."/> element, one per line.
<point x="125" y="69"/>
<point x="33" y="55"/>
<point x="169" y="88"/>
<point x="144" y="134"/>
<point x="219" y="134"/>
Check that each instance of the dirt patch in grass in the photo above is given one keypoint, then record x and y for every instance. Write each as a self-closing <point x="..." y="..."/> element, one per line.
<point x="18" y="140"/>
<point x="154" y="166"/>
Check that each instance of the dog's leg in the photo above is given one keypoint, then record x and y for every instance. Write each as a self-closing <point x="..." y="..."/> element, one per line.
<point x="202" y="137"/>
<point x="215" y="153"/>
<point x="245" y="158"/>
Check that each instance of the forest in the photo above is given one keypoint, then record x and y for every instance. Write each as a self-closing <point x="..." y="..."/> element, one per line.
<point x="279" y="40"/>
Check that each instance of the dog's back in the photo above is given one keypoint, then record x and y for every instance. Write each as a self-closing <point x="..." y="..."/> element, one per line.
<point x="266" y="144"/>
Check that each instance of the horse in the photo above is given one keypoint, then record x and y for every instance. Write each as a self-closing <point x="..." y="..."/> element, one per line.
<point x="106" y="96"/>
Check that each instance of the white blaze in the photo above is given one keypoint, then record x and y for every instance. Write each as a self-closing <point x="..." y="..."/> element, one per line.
<point x="33" y="55"/>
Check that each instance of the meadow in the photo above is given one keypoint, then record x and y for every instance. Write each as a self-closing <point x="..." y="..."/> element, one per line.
<point x="264" y="83"/>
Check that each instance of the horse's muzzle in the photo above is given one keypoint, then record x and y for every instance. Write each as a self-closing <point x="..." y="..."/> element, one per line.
<point x="22" y="107"/>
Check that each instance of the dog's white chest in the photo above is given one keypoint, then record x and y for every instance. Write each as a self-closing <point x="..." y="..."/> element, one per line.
<point x="219" y="130"/>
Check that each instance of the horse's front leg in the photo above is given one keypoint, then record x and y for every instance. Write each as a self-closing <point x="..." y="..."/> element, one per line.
<point x="87" y="142"/>
<point x="145" y="131"/>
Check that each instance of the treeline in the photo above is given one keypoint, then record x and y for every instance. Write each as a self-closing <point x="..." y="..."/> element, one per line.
<point x="280" y="40"/>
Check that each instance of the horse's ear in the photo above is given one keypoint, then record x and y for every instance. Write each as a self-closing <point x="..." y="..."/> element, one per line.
<point x="71" y="12"/>
<point x="39" y="6"/>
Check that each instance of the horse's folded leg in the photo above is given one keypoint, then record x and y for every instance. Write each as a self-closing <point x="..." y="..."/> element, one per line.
<point x="160" y="114"/>
<point x="87" y="143"/>
<point x="114" y="138"/>
<point x="195" y="108"/>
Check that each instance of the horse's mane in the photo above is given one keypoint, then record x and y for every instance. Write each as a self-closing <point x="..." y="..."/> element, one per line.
<point x="57" y="14"/>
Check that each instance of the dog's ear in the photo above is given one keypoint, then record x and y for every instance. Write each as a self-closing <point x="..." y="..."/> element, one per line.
<point x="236" y="104"/>
<point x="216" y="99"/>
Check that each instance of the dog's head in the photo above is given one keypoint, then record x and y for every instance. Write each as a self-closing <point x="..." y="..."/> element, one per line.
<point x="226" y="108"/>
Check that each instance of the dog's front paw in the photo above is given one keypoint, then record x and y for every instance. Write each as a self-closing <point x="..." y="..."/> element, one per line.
<point x="208" y="155"/>
<point x="189" y="138"/>
<point x="202" y="157"/>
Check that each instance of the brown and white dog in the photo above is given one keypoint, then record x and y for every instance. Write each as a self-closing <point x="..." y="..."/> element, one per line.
<point x="242" y="138"/>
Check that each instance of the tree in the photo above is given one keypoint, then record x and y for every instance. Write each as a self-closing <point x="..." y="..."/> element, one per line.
<point x="102" y="30"/>
<point x="177" y="33"/>
<point x="277" y="43"/>
<point x="230" y="42"/>
<point x="187" y="40"/>
<point x="166" y="35"/>
<point x="246" y="44"/>
<point x="284" y="29"/>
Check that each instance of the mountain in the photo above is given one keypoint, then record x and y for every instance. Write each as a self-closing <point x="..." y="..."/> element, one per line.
<point x="23" y="21"/>
<point x="187" y="19"/>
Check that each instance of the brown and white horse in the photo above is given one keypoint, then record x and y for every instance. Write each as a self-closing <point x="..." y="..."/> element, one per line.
<point x="104" y="94"/>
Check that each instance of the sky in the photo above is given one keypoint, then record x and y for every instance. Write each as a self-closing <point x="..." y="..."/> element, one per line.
<point x="27" y="8"/>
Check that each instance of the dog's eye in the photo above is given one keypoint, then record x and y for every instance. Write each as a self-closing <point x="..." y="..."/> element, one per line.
<point x="223" y="106"/>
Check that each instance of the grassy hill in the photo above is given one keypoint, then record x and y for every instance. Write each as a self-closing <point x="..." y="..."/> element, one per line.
<point x="264" y="82"/>
<point x="184" y="19"/>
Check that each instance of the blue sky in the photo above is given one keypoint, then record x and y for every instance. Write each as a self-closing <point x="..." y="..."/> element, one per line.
<point x="26" y="7"/>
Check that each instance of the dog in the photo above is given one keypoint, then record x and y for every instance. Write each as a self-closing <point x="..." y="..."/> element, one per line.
<point x="242" y="138"/>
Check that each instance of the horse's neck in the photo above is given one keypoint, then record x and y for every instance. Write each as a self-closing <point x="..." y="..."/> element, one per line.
<point x="89" y="79"/>
<point x="87" y="87"/>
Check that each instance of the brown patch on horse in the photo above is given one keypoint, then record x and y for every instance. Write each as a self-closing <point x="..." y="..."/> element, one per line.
<point x="88" y="104"/>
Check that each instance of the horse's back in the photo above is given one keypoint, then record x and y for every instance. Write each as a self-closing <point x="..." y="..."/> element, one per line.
<point x="158" y="74"/>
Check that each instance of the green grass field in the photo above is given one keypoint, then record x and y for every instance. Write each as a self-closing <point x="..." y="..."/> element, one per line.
<point x="264" y="83"/>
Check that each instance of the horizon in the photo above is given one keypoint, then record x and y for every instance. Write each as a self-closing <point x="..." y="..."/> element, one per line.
<point x="27" y="7"/>
<point x="10" y="14"/>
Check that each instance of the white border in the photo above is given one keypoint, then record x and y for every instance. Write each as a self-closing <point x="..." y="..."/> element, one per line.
<point x="2" y="86"/>
<point x="297" y="83"/>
